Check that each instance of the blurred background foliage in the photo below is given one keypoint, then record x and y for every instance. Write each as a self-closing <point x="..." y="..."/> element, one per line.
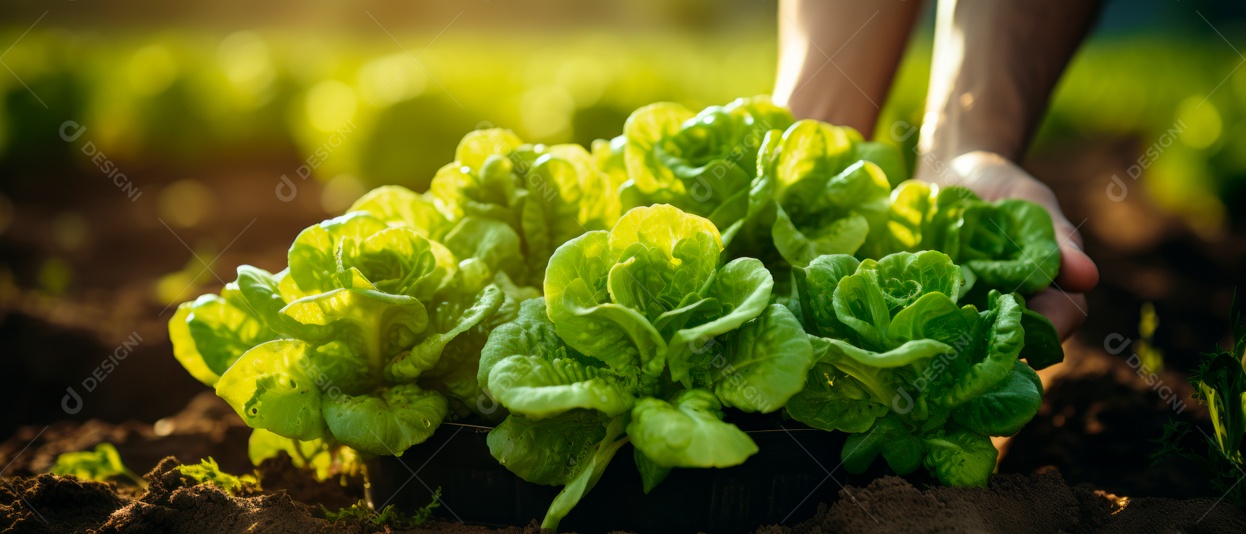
<point x="379" y="94"/>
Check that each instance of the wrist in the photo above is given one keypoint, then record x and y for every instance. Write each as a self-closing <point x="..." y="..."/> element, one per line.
<point x="965" y="124"/>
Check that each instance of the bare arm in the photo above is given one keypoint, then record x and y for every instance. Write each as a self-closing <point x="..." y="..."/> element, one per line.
<point x="994" y="67"/>
<point x="995" y="64"/>
<point x="837" y="57"/>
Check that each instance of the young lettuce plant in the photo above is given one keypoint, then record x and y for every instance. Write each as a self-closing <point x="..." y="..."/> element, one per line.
<point x="643" y="337"/>
<point x="336" y="347"/>
<point x="911" y="374"/>
<point x="372" y="335"/>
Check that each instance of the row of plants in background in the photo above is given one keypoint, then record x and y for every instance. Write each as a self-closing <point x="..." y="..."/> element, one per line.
<point x="641" y="292"/>
<point x="358" y="108"/>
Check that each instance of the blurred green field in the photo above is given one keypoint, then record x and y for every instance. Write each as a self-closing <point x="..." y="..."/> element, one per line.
<point x="364" y="112"/>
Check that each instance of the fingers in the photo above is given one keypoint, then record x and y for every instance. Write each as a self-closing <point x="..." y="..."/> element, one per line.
<point x="1078" y="273"/>
<point x="1067" y="311"/>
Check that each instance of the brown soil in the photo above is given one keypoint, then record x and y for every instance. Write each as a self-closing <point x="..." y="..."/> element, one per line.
<point x="206" y="427"/>
<point x="1013" y="503"/>
<point x="49" y="503"/>
<point x="172" y="503"/>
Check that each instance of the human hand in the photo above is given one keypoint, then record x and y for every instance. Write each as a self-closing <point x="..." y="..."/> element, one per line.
<point x="994" y="177"/>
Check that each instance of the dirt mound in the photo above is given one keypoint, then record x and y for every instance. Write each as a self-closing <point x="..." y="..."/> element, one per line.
<point x="173" y="504"/>
<point x="48" y="503"/>
<point x="280" y="474"/>
<point x="1013" y="503"/>
<point x="207" y="426"/>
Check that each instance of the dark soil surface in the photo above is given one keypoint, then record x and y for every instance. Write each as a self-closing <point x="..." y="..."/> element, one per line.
<point x="291" y="499"/>
<point x="1014" y="503"/>
<point x="171" y="503"/>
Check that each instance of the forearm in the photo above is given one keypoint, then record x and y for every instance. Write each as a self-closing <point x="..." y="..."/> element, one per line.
<point x="995" y="64"/>
<point x="837" y="57"/>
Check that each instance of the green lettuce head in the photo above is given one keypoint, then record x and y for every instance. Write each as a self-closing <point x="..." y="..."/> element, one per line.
<point x="642" y="336"/>
<point x="914" y="376"/>
<point x="361" y="342"/>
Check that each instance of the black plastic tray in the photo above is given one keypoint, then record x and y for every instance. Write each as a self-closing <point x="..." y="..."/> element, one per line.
<point x="782" y="483"/>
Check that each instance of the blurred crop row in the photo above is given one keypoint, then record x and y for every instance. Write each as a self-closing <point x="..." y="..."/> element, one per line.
<point x="358" y="113"/>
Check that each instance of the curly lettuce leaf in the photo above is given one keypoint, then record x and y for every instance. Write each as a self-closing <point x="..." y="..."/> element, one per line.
<point x="761" y="365"/>
<point x="528" y="369"/>
<point x="476" y="147"/>
<point x="492" y="243"/>
<point x="815" y="286"/>
<point x="387" y="422"/>
<point x="314" y="255"/>
<point x="272" y="388"/>
<point x="578" y="303"/>
<point x="833" y="400"/>
<point x="688" y="431"/>
<point x="915" y="377"/>
<point x="551" y="211"/>
<point x="1009" y="245"/>
<point x="210" y="333"/>
<point x="702" y="163"/>
<point x="961" y="458"/>
<point x="398" y="205"/>
<point x="1006" y="408"/>
<point x="450" y="319"/>
<point x="739" y="291"/>
<point x="375" y="325"/>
